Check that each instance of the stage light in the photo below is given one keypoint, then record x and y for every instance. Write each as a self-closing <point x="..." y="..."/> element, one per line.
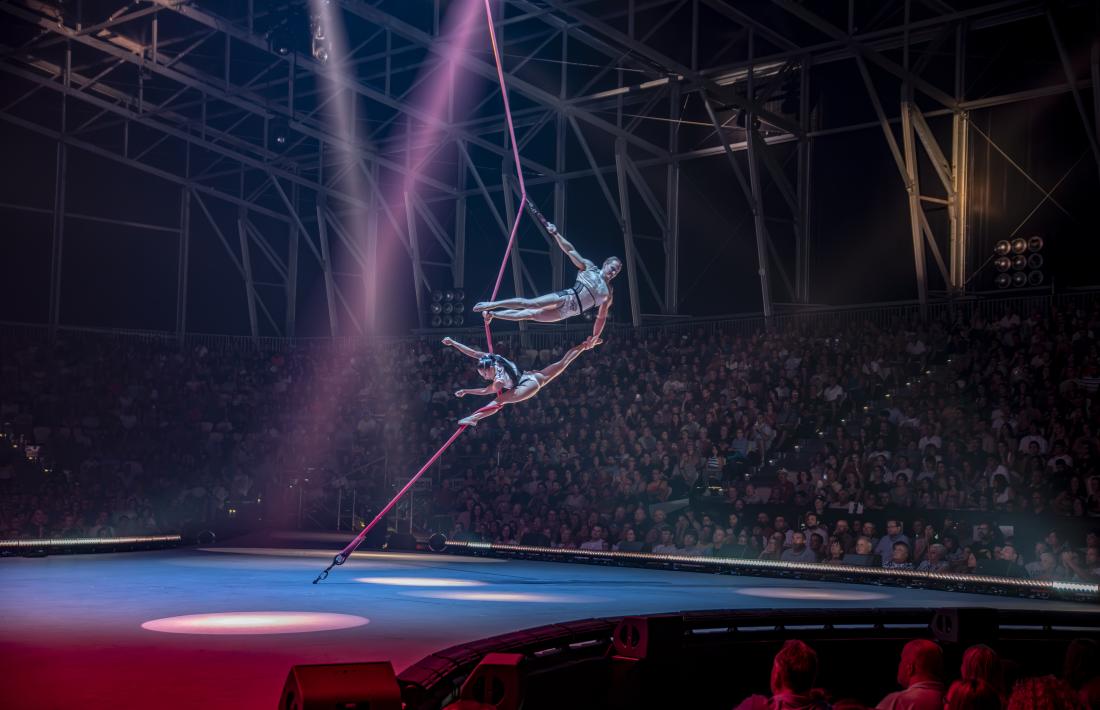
<point x="1002" y="263"/>
<point x="1002" y="280"/>
<point x="459" y="320"/>
<point x="460" y="294"/>
<point x="1002" y="248"/>
<point x="1019" y="245"/>
<point x="1035" y="278"/>
<point x="1035" y="243"/>
<point x="320" y="53"/>
<point x="448" y="296"/>
<point x="437" y="296"/>
<point x="1019" y="279"/>
<point x="436" y="308"/>
<point x="459" y="307"/>
<point x="448" y="321"/>
<point x="1035" y="261"/>
<point x="437" y="321"/>
<point x="448" y="308"/>
<point x="1019" y="262"/>
<point x="280" y="41"/>
<point x="278" y="132"/>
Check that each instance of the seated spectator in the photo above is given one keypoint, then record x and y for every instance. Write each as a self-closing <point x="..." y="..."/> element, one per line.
<point x="982" y="663"/>
<point x="799" y="551"/>
<point x="717" y="544"/>
<point x="691" y="544"/>
<point x="935" y="560"/>
<point x="595" y="541"/>
<point x="972" y="694"/>
<point x="1043" y="693"/>
<point x="864" y="555"/>
<point x="885" y="547"/>
<point x="1081" y="670"/>
<point x="794" y="672"/>
<point x="665" y="545"/>
<point x="919" y="673"/>
<point x="629" y="542"/>
<point x="899" y="558"/>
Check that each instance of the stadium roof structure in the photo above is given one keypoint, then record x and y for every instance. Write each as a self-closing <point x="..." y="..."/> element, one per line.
<point x="230" y="102"/>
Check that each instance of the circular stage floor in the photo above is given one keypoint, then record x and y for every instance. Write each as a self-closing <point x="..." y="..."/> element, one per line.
<point x="221" y="626"/>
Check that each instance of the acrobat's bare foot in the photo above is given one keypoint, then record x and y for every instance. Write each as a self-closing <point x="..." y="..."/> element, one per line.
<point x="468" y="421"/>
<point x="479" y="307"/>
<point x="487" y="315"/>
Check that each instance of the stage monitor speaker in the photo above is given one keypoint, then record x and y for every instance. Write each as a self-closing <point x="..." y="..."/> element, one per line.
<point x="347" y="686"/>
<point x="965" y="626"/>
<point x="495" y="684"/>
<point x="649" y="638"/>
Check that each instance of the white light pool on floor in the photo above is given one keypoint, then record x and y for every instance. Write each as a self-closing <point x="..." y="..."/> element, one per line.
<point x="810" y="593"/>
<point x="420" y="581"/>
<point x="527" y="597"/>
<point x="254" y="622"/>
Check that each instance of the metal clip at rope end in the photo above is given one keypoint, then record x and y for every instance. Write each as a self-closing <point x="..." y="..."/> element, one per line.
<point x="338" y="560"/>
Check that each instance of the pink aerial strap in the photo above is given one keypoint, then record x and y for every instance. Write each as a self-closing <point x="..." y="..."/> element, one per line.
<point x="346" y="552"/>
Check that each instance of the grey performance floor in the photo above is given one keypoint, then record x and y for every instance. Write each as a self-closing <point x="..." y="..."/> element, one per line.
<point x="221" y="626"/>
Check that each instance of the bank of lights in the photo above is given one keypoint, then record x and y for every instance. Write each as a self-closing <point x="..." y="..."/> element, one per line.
<point x="1018" y="262"/>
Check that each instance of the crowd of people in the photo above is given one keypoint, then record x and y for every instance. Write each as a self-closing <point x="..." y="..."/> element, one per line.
<point x="984" y="681"/>
<point x="910" y="444"/>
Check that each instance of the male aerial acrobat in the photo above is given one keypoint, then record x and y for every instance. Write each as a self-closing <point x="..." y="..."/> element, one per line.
<point x="508" y="382"/>
<point x="592" y="289"/>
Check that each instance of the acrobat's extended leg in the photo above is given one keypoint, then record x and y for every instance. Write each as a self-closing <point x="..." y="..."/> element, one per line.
<point x="548" y="373"/>
<point x="546" y="314"/>
<point x="549" y="299"/>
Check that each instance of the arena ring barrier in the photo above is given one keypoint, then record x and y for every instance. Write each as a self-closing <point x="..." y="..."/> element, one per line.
<point x="817" y="571"/>
<point x="37" y="548"/>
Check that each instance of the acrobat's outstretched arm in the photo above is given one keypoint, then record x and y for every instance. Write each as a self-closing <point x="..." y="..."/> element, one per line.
<point x="574" y="256"/>
<point x="601" y="319"/>
<point x="493" y="389"/>
<point x="464" y="349"/>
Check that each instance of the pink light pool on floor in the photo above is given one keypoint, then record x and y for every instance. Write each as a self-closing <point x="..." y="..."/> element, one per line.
<point x="254" y="622"/>
<point x="420" y="581"/>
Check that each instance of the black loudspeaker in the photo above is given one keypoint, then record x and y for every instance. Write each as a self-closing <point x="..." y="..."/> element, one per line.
<point x="965" y="626"/>
<point x="649" y="638"/>
<point x="348" y="686"/>
<point x="401" y="541"/>
<point x="495" y="684"/>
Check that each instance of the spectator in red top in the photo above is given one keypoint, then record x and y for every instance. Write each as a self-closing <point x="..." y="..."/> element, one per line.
<point x="919" y="672"/>
<point x="972" y="694"/>
<point x="794" y="672"/>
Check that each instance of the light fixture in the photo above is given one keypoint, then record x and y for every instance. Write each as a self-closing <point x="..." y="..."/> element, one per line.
<point x="1035" y="243"/>
<point x="1003" y="280"/>
<point x="1019" y="262"/>
<point x="1019" y="245"/>
<point x="1002" y="248"/>
<point x="1035" y="278"/>
<point x="459" y="320"/>
<point x="436" y="308"/>
<point x="448" y="321"/>
<point x="1002" y="263"/>
<point x="1019" y="279"/>
<point x="448" y="295"/>
<point x="437" y="296"/>
<point x="448" y="308"/>
<point x="437" y="321"/>
<point x="1035" y="261"/>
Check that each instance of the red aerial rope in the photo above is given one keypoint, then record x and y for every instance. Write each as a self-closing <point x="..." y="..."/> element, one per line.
<point x="346" y="552"/>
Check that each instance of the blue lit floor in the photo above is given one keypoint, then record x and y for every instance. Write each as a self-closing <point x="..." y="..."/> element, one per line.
<point x="72" y="634"/>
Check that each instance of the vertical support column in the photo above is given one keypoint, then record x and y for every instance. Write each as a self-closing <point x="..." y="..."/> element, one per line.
<point x="292" y="268"/>
<point x="183" y="264"/>
<point x="56" y="254"/>
<point x="805" y="153"/>
<point x="370" y="268"/>
<point x="912" y="187"/>
<point x="326" y="267"/>
<point x="246" y="262"/>
<point x="672" y="206"/>
<point x="628" y="232"/>
<point x="759" y="224"/>
<point x="556" y="256"/>
<point x="417" y="267"/>
<point x="458" y="264"/>
<point x="960" y="222"/>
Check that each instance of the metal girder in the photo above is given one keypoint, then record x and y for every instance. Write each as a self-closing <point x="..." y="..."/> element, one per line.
<point x="297" y="59"/>
<point x="249" y="282"/>
<point x="488" y="71"/>
<point x="1067" y="67"/>
<point x="631" y="256"/>
<point x="826" y="27"/>
<point x="727" y="93"/>
<point x="183" y="262"/>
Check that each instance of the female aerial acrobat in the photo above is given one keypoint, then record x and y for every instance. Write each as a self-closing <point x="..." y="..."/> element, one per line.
<point x="592" y="289"/>
<point x="509" y="383"/>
